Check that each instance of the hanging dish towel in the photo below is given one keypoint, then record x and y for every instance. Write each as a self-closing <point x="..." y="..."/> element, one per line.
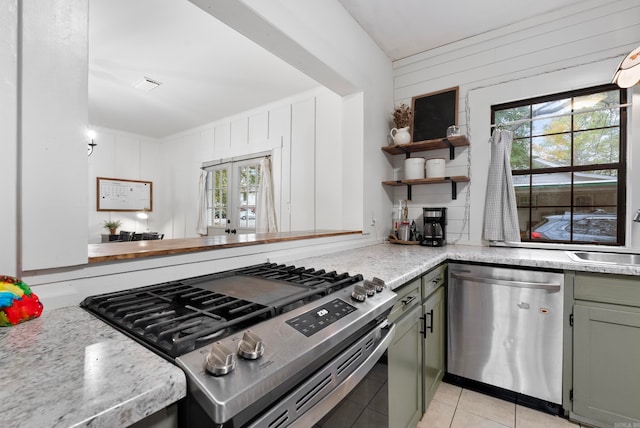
<point x="500" y="210"/>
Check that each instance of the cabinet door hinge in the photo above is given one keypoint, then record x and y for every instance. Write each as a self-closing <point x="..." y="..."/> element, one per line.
<point x="571" y="320"/>
<point x="571" y="394"/>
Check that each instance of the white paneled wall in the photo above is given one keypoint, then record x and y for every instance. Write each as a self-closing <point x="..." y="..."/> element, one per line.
<point x="570" y="48"/>
<point x="127" y="156"/>
<point x="304" y="135"/>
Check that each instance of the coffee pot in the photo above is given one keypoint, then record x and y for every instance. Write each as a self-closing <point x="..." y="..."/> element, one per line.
<point x="435" y="222"/>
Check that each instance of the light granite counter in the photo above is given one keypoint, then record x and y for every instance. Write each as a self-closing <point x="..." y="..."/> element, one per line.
<point x="397" y="264"/>
<point x="69" y="369"/>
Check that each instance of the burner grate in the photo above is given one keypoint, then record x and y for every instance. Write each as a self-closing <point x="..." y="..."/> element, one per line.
<point x="176" y="317"/>
<point x="331" y="281"/>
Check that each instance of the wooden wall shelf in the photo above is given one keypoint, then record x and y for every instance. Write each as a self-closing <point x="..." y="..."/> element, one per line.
<point x="454" y="183"/>
<point x="441" y="143"/>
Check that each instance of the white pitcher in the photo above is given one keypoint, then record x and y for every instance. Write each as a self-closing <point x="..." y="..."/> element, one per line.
<point x="400" y="135"/>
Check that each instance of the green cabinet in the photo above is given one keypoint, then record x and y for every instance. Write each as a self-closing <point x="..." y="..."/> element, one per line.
<point x="404" y="359"/>
<point x="416" y="356"/>
<point x="606" y="350"/>
<point x="434" y="344"/>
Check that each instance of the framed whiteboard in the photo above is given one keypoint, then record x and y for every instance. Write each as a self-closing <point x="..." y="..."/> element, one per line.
<point x="116" y="194"/>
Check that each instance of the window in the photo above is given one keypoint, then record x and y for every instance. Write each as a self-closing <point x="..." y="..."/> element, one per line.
<point x="232" y="190"/>
<point x="568" y="163"/>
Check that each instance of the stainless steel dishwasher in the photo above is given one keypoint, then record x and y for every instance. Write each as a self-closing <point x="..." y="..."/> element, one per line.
<point x="505" y="328"/>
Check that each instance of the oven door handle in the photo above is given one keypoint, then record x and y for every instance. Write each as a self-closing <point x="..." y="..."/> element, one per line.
<point x="324" y="406"/>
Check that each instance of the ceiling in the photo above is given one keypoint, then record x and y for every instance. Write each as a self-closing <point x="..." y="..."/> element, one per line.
<point x="209" y="71"/>
<point x="406" y="27"/>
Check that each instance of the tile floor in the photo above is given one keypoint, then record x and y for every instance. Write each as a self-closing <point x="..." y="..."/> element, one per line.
<point x="454" y="407"/>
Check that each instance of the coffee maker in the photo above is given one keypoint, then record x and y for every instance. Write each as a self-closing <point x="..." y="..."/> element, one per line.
<point x="435" y="221"/>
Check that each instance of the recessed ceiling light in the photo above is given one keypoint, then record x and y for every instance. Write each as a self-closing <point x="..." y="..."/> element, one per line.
<point x="146" y="84"/>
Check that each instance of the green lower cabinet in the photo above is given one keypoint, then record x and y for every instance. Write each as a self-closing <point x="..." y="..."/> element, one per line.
<point x="404" y="358"/>
<point x="606" y="364"/>
<point x="416" y="356"/>
<point x="434" y="344"/>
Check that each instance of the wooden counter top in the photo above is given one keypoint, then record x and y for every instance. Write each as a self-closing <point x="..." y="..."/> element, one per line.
<point x="111" y="251"/>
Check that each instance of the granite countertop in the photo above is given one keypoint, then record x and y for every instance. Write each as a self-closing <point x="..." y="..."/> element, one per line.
<point x="397" y="264"/>
<point x="68" y="369"/>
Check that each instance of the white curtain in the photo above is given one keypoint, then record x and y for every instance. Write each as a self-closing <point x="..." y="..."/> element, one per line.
<point x="265" y="208"/>
<point x="500" y="210"/>
<point x="202" y="205"/>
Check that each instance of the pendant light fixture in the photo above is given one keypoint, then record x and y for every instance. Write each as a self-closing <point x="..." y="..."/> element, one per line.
<point x="628" y="72"/>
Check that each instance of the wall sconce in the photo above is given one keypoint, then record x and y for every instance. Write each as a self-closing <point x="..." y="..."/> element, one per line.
<point x="628" y="72"/>
<point x="92" y="135"/>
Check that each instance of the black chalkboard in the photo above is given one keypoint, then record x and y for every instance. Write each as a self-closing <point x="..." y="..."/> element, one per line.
<point x="433" y="113"/>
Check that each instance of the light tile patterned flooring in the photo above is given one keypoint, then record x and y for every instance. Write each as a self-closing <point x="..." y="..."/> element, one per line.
<point x="452" y="407"/>
<point x="456" y="407"/>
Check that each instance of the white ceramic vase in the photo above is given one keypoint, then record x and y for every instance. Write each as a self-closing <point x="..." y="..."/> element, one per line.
<point x="400" y="135"/>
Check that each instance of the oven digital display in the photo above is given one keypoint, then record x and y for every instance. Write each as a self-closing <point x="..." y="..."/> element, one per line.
<point x="316" y="319"/>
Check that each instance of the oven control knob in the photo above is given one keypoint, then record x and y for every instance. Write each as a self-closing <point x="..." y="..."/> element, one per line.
<point x="220" y="360"/>
<point x="380" y="285"/>
<point x="370" y="288"/>
<point x="359" y="293"/>
<point x="251" y="346"/>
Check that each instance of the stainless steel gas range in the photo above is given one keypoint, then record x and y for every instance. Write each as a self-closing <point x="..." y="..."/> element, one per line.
<point x="263" y="346"/>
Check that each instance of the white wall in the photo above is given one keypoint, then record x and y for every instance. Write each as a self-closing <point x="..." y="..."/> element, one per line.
<point x="54" y="72"/>
<point x="131" y="157"/>
<point x="303" y="133"/>
<point x="322" y="40"/>
<point x="9" y="249"/>
<point x="567" y="49"/>
<point x="52" y="118"/>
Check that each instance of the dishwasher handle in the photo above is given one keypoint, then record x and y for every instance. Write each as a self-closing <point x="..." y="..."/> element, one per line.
<point x="494" y="281"/>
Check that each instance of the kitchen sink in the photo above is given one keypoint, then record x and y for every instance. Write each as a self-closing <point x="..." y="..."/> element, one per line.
<point x="615" y="258"/>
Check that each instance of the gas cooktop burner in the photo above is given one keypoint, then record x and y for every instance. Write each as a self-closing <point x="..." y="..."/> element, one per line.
<point x="199" y="323"/>
<point x="176" y="317"/>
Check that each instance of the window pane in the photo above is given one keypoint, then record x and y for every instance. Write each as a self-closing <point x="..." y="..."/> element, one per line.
<point x="513" y="115"/>
<point x="597" y="119"/>
<point x="551" y="151"/>
<point x="595" y="226"/>
<point x="595" y="189"/>
<point x="551" y="224"/>
<point x="525" y="224"/>
<point x="551" y="190"/>
<point x="542" y="125"/>
<point x="520" y="158"/>
<point x="220" y="180"/>
<point x="248" y="191"/>
<point x="596" y="147"/>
